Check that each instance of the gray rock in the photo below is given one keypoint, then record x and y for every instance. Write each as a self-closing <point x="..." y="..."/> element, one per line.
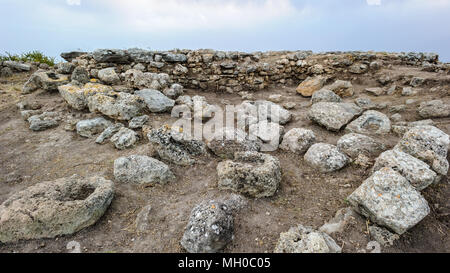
<point x="156" y="101"/>
<point x="325" y="157"/>
<point x="174" y="91"/>
<point x="400" y="128"/>
<point x="389" y="200"/>
<point x="367" y="104"/>
<point x="415" y="171"/>
<point x="339" y="221"/>
<point x="173" y="146"/>
<point x="342" y="88"/>
<point x="65" y="68"/>
<point x="47" y="81"/>
<point x="125" y="138"/>
<point x="210" y="228"/>
<point x="138" y="122"/>
<point x="269" y="133"/>
<point x="383" y="236"/>
<point x="17" y="66"/>
<point x="77" y="97"/>
<point x="26" y="114"/>
<point x="142" y="170"/>
<point x="142" y="219"/>
<point x="120" y="106"/>
<point x="80" y="75"/>
<point x="54" y="208"/>
<point x="333" y="115"/>
<point x="371" y="122"/>
<point x="138" y="55"/>
<point x="408" y="91"/>
<point x="302" y="239"/>
<point x="174" y="58"/>
<point x="6" y="72"/>
<point x="90" y="127"/>
<point x="109" y="76"/>
<point x="325" y="95"/>
<point x="355" y="144"/>
<point x="376" y="91"/>
<point x="44" y="121"/>
<point x="275" y="112"/>
<point x="434" y="109"/>
<point x="108" y="133"/>
<point x="396" y="117"/>
<point x="298" y="140"/>
<point x="428" y="144"/>
<point x="111" y="56"/>
<point x="358" y="68"/>
<point x="251" y="173"/>
<point x="417" y="81"/>
<point x="227" y="141"/>
<point x="69" y="56"/>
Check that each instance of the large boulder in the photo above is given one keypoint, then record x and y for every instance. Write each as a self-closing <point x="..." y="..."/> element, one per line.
<point x="417" y="172"/>
<point x="303" y="239"/>
<point x="434" y="109"/>
<point x="109" y="76"/>
<point x="298" y="140"/>
<point x="389" y="200"/>
<point x="333" y="115"/>
<point x="77" y="96"/>
<point x="227" y="141"/>
<point x="175" y="146"/>
<point x="371" y="122"/>
<point x="142" y="170"/>
<point x="251" y="173"/>
<point x="54" y="208"/>
<point x="116" y="105"/>
<point x="211" y="225"/>
<point x="428" y="144"/>
<point x="326" y="158"/>
<point x="355" y="144"/>
<point x="156" y="101"/>
<point x="309" y="86"/>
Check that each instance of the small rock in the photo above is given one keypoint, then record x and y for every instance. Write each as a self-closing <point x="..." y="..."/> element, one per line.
<point x="108" y="133"/>
<point x="310" y="85"/>
<point x="376" y="91"/>
<point x="325" y="157"/>
<point x="355" y="144"/>
<point x="298" y="140"/>
<point x="89" y="128"/>
<point x="138" y="122"/>
<point x="142" y="170"/>
<point x="342" y="88"/>
<point x="333" y="115"/>
<point x="371" y="122"/>
<point x="325" y="95"/>
<point x="125" y="138"/>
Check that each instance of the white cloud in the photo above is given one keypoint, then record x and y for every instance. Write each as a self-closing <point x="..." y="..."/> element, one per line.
<point x="373" y="2"/>
<point x="148" y="15"/>
<point x="73" y="2"/>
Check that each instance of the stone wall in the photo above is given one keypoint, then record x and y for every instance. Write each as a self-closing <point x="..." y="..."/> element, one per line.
<point x="236" y="71"/>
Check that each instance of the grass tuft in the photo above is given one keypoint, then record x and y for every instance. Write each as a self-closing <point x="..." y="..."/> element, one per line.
<point x="32" y="56"/>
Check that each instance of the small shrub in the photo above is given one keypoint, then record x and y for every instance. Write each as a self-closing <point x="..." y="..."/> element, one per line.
<point x="32" y="56"/>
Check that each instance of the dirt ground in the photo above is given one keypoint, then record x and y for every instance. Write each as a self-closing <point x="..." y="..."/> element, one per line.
<point x="305" y="196"/>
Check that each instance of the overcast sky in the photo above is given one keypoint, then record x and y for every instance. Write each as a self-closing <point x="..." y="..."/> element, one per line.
<point x="55" y="26"/>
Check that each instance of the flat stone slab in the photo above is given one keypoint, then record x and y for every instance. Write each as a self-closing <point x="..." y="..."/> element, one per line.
<point x="54" y="208"/>
<point x="140" y="169"/>
<point x="388" y="199"/>
<point x="333" y="115"/>
<point x="371" y="122"/>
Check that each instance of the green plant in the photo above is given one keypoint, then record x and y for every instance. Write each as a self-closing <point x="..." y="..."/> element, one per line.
<point x="32" y="56"/>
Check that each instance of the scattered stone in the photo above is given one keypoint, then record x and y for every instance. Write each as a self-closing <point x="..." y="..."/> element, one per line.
<point x="415" y="171"/>
<point x="142" y="219"/>
<point x="138" y="122"/>
<point x="251" y="173"/>
<point x="54" y="208"/>
<point x="17" y="66"/>
<point x="120" y="106"/>
<point x="408" y="91"/>
<point x="90" y="127"/>
<point x="342" y="88"/>
<point x="47" y="81"/>
<point x="276" y="98"/>
<point x="6" y="72"/>
<point x="310" y="85"/>
<point x="434" y="109"/>
<point x="77" y="97"/>
<point x="325" y="95"/>
<point x="383" y="236"/>
<point x="298" y="140"/>
<point x="428" y="144"/>
<point x="325" y="157"/>
<point x="389" y="200"/>
<point x="355" y="144"/>
<point x="333" y="115"/>
<point x="417" y="81"/>
<point x="302" y="239"/>
<point x="397" y="108"/>
<point x="156" y="101"/>
<point x="26" y="114"/>
<point x="339" y="222"/>
<point x="69" y="56"/>
<point x="371" y="122"/>
<point x="109" y="76"/>
<point x="44" y="121"/>
<point x="125" y="138"/>
<point x="289" y="105"/>
<point x="267" y="132"/>
<point x="376" y="91"/>
<point x="396" y="117"/>
<point x="174" y="91"/>
<point x="227" y="141"/>
<point x="108" y="133"/>
<point x="358" y="69"/>
<point x="142" y="170"/>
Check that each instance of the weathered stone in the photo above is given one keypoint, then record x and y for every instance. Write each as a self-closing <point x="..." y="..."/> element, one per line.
<point x="109" y="76"/>
<point x="325" y="157"/>
<point x="325" y="95"/>
<point x="125" y="138"/>
<point x="355" y="144"/>
<point x="156" y="101"/>
<point x="269" y="133"/>
<point x="310" y="85"/>
<point x="417" y="172"/>
<point x="141" y="170"/>
<point x="69" y="56"/>
<point x="174" y="58"/>
<point x="138" y="122"/>
<point x="90" y="127"/>
<point x="298" y="140"/>
<point x="339" y="221"/>
<point x="342" y="88"/>
<point x="76" y="97"/>
<point x="43" y="121"/>
<point x="17" y="66"/>
<point x="138" y="55"/>
<point x="302" y="239"/>
<point x="54" y="208"/>
<point x="108" y="133"/>
<point x="389" y="200"/>
<point x="400" y="128"/>
<point x="251" y="173"/>
<point x="428" y="144"/>
<point x="434" y="109"/>
<point x="65" y="68"/>
<point x="333" y="115"/>
<point x="111" y="56"/>
<point x="376" y="91"/>
<point x="80" y="75"/>
<point x="383" y="236"/>
<point x="174" y="91"/>
<point x="371" y="122"/>
<point x="358" y="69"/>
<point x="120" y="106"/>
<point x="6" y="72"/>
<point x="227" y="141"/>
<point x="47" y="81"/>
<point x="408" y="91"/>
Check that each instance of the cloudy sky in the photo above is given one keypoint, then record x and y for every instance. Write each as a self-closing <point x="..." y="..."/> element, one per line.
<point x="54" y="26"/>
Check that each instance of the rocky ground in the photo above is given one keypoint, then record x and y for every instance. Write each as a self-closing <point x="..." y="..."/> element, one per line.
<point x="153" y="217"/>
